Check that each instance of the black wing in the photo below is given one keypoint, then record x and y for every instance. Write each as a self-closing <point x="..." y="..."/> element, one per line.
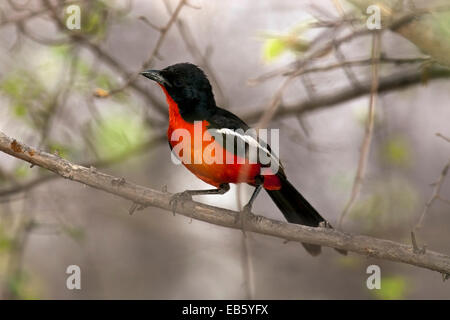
<point x="230" y="126"/>
<point x="225" y="119"/>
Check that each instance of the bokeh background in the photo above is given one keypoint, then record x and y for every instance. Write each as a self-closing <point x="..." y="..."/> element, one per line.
<point x="75" y="92"/>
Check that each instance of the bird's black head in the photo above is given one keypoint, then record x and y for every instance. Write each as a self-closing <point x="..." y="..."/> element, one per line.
<point x="189" y="87"/>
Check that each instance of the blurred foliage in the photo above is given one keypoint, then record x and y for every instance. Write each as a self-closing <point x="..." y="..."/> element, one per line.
<point x="5" y="241"/>
<point x="392" y="288"/>
<point x="30" y="84"/>
<point x="349" y="261"/>
<point x="21" y="286"/>
<point x="96" y="15"/>
<point x="389" y="204"/>
<point x="22" y="170"/>
<point x="75" y="233"/>
<point x="429" y="32"/>
<point x="441" y="24"/>
<point x="119" y="133"/>
<point x="292" y="41"/>
<point x="87" y="76"/>
<point x="396" y="152"/>
<point x="273" y="48"/>
<point x="93" y="20"/>
<point x="361" y="114"/>
<point x="23" y="91"/>
<point x="60" y="149"/>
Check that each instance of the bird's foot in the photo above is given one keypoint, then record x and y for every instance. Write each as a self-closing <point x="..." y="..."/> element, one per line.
<point x="325" y="224"/>
<point x="179" y="197"/>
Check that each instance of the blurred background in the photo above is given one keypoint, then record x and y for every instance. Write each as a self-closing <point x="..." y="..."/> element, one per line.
<point x="75" y="92"/>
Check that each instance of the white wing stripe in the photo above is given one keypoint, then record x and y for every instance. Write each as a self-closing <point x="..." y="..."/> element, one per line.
<point x="246" y="138"/>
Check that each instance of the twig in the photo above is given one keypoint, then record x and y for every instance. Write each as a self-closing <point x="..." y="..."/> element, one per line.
<point x="155" y="52"/>
<point x="416" y="248"/>
<point x="360" y="172"/>
<point x="368" y="246"/>
<point x="435" y="195"/>
<point x="200" y="58"/>
<point x="163" y="34"/>
<point x="274" y="105"/>
<point x="342" y="64"/>
<point x="440" y="135"/>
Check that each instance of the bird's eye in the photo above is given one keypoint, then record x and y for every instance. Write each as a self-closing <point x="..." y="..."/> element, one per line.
<point x="178" y="83"/>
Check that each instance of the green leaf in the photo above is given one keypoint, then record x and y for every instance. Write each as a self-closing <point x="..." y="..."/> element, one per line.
<point x="62" y="51"/>
<point x="119" y="133"/>
<point x="5" y="242"/>
<point x="392" y="288"/>
<point x="13" y="86"/>
<point x="442" y="24"/>
<point x="396" y="152"/>
<point x="76" y="233"/>
<point x="22" y="287"/>
<point x="59" y="149"/>
<point x="374" y="211"/>
<point x="104" y="81"/>
<point x="273" y="48"/>
<point x="19" y="110"/>
<point x="349" y="262"/>
<point x="22" y="171"/>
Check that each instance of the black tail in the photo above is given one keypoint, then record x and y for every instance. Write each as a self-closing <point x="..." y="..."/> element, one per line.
<point x="297" y="210"/>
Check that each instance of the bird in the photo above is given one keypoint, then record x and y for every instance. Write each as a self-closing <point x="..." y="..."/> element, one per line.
<point x="192" y="109"/>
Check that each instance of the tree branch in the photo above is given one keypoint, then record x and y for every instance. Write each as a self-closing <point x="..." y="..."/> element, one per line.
<point x="386" y="84"/>
<point x="368" y="246"/>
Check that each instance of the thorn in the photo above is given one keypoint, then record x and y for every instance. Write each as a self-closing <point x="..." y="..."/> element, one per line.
<point x="164" y="188"/>
<point x="133" y="208"/>
<point x="193" y="6"/>
<point x="118" y="182"/>
<point x="151" y="25"/>
<point x="136" y="206"/>
<point x="325" y="225"/>
<point x="416" y="249"/>
<point x="445" y="277"/>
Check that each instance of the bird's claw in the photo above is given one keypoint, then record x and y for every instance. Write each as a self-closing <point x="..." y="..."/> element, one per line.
<point x="177" y="197"/>
<point x="325" y="224"/>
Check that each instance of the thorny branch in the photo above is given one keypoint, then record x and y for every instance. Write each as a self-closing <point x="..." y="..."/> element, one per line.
<point x="368" y="246"/>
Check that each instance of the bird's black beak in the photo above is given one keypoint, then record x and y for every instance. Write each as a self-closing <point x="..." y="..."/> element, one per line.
<point x="155" y="75"/>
